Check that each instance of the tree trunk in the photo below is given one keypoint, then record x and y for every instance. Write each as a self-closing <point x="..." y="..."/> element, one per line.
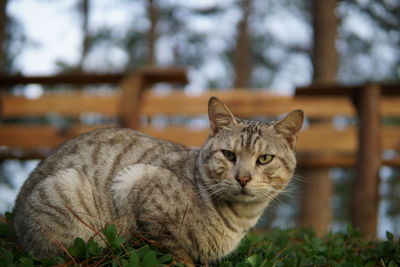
<point x="3" y="36"/>
<point x="316" y="208"/>
<point x="242" y="53"/>
<point x="84" y="9"/>
<point x="152" y="33"/>
<point x="325" y="58"/>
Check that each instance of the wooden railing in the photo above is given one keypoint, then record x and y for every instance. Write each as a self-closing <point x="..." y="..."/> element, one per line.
<point x="28" y="140"/>
<point x="320" y="144"/>
<point x="367" y="100"/>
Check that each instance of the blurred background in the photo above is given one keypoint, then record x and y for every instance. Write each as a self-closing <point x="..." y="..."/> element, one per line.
<point x="267" y="45"/>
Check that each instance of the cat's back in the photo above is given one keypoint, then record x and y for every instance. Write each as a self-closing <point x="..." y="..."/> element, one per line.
<point x="97" y="155"/>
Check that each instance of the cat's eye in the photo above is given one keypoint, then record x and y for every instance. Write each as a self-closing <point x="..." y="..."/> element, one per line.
<point x="229" y="155"/>
<point x="264" y="159"/>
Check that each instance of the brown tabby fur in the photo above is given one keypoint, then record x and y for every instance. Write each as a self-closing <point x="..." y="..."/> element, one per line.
<point x="195" y="202"/>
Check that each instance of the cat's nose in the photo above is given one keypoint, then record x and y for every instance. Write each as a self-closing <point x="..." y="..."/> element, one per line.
<point x="243" y="180"/>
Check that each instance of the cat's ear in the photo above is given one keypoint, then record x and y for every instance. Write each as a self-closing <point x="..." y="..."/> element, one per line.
<point x="289" y="126"/>
<point x="219" y="115"/>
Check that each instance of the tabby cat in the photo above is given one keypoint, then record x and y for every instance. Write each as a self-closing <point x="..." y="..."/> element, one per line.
<point x="196" y="203"/>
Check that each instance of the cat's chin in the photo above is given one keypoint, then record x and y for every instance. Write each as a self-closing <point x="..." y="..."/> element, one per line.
<point x="243" y="196"/>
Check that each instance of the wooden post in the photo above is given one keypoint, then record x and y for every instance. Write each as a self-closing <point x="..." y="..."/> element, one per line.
<point x="365" y="197"/>
<point x="131" y="89"/>
<point x="316" y="210"/>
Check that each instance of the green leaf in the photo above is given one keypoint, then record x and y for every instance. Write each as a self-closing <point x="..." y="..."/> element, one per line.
<point x="4" y="231"/>
<point x="26" y="262"/>
<point x="53" y="261"/>
<point x="389" y="236"/>
<point x="370" y="264"/>
<point x="143" y="250"/>
<point x="253" y="238"/>
<point x="117" y="242"/>
<point x="150" y="259"/>
<point x="253" y="260"/>
<point x="110" y="232"/>
<point x="94" y="248"/>
<point x="7" y="257"/>
<point x="9" y="216"/>
<point x="392" y="263"/>
<point x="265" y="263"/>
<point x="350" y="229"/>
<point x="134" y="260"/>
<point x="78" y="249"/>
<point x="166" y="258"/>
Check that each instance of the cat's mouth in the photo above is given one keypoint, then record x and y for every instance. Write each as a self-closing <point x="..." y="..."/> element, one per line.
<point x="244" y="192"/>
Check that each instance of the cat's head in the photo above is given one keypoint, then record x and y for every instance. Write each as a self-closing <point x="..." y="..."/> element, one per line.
<point x="248" y="161"/>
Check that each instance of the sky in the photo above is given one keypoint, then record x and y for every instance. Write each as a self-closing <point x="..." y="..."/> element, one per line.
<point x="52" y="36"/>
<point x="53" y="29"/>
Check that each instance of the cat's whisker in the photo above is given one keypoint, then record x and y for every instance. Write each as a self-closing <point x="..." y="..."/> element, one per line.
<point x="212" y="190"/>
<point x="210" y="187"/>
<point x="216" y="192"/>
<point x="271" y="192"/>
<point x="283" y="192"/>
<point x="274" y="199"/>
<point x="277" y="201"/>
<point x="301" y="178"/>
<point x="289" y="193"/>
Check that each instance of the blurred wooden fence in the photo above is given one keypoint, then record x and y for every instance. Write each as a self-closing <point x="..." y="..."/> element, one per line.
<point x="329" y="138"/>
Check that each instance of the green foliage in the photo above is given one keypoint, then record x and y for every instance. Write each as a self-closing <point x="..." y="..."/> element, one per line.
<point x="277" y="248"/>
<point x="296" y="247"/>
<point x="116" y="252"/>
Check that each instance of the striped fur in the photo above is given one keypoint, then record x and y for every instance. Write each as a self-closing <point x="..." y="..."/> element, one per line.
<point x="190" y="201"/>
